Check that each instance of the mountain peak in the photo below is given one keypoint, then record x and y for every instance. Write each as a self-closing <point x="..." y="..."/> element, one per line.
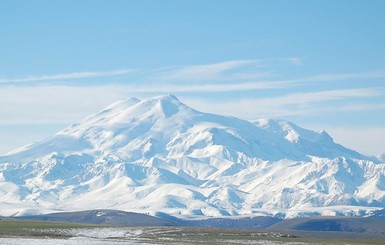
<point x="166" y="104"/>
<point x="164" y="124"/>
<point x="125" y="104"/>
<point x="158" y="154"/>
<point x="168" y="97"/>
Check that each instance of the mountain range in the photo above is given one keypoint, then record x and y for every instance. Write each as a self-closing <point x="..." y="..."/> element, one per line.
<point x="160" y="157"/>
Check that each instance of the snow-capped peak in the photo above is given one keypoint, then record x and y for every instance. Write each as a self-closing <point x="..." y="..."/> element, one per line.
<point x="165" y="126"/>
<point x="159" y="154"/>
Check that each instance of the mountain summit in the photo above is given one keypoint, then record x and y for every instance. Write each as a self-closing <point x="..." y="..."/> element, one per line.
<point x="159" y="155"/>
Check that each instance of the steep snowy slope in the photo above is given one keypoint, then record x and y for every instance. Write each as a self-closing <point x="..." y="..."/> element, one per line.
<point x="159" y="155"/>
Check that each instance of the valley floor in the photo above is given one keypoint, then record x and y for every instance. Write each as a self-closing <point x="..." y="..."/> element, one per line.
<point x="31" y="232"/>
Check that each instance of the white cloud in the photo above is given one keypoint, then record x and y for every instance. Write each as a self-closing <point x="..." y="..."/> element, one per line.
<point x="53" y="104"/>
<point x="369" y="140"/>
<point x="327" y="95"/>
<point x="291" y="104"/>
<point x="170" y="88"/>
<point x="344" y="76"/>
<point x="224" y="71"/>
<point x="15" y="136"/>
<point x="295" y="61"/>
<point x="247" y="72"/>
<point x="66" y="76"/>
<point x="208" y="72"/>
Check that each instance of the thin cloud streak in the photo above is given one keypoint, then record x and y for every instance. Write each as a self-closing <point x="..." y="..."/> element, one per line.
<point x="343" y="76"/>
<point x="208" y="70"/>
<point x="54" y="104"/>
<point x="305" y="98"/>
<point x="233" y="75"/>
<point x="67" y="76"/>
<point x="245" y="79"/>
<point x="228" y="70"/>
<point x="293" y="104"/>
<point x="295" y="61"/>
<point x="368" y="140"/>
<point x="206" y="88"/>
<point x="172" y="79"/>
<point x="329" y="95"/>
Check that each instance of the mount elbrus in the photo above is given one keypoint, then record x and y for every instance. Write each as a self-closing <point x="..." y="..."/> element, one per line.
<point x="159" y="155"/>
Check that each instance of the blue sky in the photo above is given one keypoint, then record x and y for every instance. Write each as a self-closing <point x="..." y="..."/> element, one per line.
<point x="320" y="64"/>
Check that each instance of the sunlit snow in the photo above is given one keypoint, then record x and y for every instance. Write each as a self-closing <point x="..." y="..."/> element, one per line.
<point x="159" y="155"/>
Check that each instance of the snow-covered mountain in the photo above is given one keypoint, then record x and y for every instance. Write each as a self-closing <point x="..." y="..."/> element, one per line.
<point x="161" y="156"/>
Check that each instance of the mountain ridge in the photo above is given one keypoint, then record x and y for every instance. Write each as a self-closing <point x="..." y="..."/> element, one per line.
<point x="161" y="155"/>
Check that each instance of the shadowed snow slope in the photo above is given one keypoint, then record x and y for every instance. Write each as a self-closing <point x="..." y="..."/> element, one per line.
<point x="159" y="155"/>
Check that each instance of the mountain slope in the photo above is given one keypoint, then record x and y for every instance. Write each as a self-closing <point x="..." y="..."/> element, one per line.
<point x="161" y="155"/>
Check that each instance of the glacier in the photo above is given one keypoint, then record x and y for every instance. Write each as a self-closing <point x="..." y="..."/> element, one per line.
<point x="158" y="156"/>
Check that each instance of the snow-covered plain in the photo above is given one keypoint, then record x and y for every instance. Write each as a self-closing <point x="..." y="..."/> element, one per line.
<point x="112" y="235"/>
<point x="92" y="241"/>
<point x="160" y="156"/>
<point x="148" y="235"/>
<point x="71" y="241"/>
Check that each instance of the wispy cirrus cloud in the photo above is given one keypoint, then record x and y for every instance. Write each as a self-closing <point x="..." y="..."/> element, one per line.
<point x="67" y="76"/>
<point x="233" y="75"/>
<point x="233" y="69"/>
<point x="250" y="72"/>
<point x="297" y="61"/>
<point x="294" y="104"/>
<point x="244" y="75"/>
<point x="230" y="75"/>
<point x="207" y="71"/>
<point x="329" y="95"/>
<point x="345" y="76"/>
<point x="224" y="71"/>
<point x="305" y="100"/>
<point x="368" y="140"/>
<point x="249" y="82"/>
<point x="207" y="88"/>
